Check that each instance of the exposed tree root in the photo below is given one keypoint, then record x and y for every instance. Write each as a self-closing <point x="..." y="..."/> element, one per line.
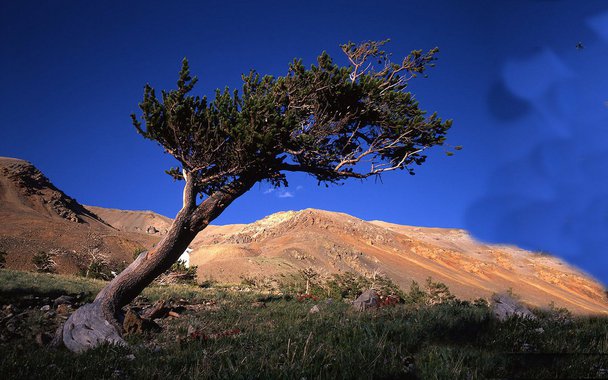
<point x="87" y="328"/>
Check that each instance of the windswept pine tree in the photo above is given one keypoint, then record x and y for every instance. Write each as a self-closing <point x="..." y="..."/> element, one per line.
<point x="331" y="121"/>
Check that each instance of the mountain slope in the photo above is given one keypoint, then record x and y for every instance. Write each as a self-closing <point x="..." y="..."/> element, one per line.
<point x="147" y="222"/>
<point x="37" y="216"/>
<point x="332" y="242"/>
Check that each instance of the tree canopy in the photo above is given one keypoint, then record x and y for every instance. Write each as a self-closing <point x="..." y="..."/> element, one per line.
<point x="333" y="122"/>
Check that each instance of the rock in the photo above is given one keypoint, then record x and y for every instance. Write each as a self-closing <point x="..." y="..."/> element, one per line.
<point x="11" y="309"/>
<point x="130" y="357"/>
<point x="152" y="230"/>
<point x="539" y="330"/>
<point x="314" y="310"/>
<point x="191" y="330"/>
<point x="11" y="326"/>
<point x="45" y="308"/>
<point x="118" y="374"/>
<point x="57" y="340"/>
<point x="64" y="309"/>
<point x="43" y="339"/>
<point x="504" y="307"/>
<point x="64" y="300"/>
<point x="368" y="299"/>
<point x="258" y="305"/>
<point x="49" y="314"/>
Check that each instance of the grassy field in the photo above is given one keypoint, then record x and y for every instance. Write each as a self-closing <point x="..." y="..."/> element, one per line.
<point x="224" y="333"/>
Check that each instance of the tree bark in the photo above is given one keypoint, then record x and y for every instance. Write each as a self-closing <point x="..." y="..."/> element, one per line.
<point x="99" y="322"/>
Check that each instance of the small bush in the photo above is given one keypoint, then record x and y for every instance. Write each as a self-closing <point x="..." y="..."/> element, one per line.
<point x="416" y="295"/>
<point x="2" y="259"/>
<point x="179" y="273"/>
<point x="350" y="285"/>
<point x="438" y="292"/>
<point x="44" y="263"/>
<point x="137" y="251"/>
<point x="94" y="264"/>
<point x="248" y="281"/>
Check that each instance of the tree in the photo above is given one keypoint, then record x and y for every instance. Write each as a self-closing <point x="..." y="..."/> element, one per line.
<point x="330" y="121"/>
<point x="44" y="261"/>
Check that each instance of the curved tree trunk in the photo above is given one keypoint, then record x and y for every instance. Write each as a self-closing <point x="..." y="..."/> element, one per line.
<point x="97" y="323"/>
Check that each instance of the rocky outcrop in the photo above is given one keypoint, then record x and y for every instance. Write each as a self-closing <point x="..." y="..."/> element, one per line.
<point x="36" y="191"/>
<point x="504" y="307"/>
<point x="44" y="219"/>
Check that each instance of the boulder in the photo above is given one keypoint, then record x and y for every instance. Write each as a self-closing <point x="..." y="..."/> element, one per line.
<point x="368" y="299"/>
<point x="504" y="306"/>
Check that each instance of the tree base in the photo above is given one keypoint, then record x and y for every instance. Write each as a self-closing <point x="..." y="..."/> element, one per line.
<point x="87" y="328"/>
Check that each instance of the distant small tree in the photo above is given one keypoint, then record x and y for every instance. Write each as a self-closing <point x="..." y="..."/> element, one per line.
<point x="330" y="121"/>
<point x="309" y="274"/>
<point x="416" y="296"/>
<point x="438" y="292"/>
<point x="95" y="264"/>
<point x="44" y="261"/>
<point x="2" y="259"/>
<point x="179" y="273"/>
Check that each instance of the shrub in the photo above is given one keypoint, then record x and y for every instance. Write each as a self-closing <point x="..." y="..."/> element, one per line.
<point x="350" y="285"/>
<point x="248" y="281"/>
<point x="416" y="295"/>
<point x="179" y="273"/>
<point x="93" y="263"/>
<point x="481" y="302"/>
<point x="44" y="263"/>
<point x="438" y="292"/>
<point x="2" y="259"/>
<point x="137" y="251"/>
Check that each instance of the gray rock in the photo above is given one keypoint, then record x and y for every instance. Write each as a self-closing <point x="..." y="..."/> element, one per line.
<point x="63" y="300"/>
<point x="49" y="314"/>
<point x="45" y="308"/>
<point x="368" y="299"/>
<point x="505" y="306"/>
<point x="314" y="310"/>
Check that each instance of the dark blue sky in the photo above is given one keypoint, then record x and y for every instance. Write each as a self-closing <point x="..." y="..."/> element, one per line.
<point x="528" y="107"/>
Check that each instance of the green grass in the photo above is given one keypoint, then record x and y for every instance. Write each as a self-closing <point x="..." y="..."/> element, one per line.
<point x="448" y="341"/>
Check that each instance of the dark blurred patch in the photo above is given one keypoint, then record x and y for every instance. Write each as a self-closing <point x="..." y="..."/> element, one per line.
<point x="505" y="106"/>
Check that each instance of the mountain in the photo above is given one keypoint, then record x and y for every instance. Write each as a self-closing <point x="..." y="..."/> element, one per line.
<point x="146" y="222"/>
<point x="331" y="242"/>
<point x="37" y="216"/>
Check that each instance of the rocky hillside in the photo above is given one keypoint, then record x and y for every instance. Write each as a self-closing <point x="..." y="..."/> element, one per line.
<point x="330" y="242"/>
<point x="143" y="222"/>
<point x="37" y="216"/>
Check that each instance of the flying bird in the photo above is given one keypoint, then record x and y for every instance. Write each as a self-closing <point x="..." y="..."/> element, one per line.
<point x="579" y="45"/>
